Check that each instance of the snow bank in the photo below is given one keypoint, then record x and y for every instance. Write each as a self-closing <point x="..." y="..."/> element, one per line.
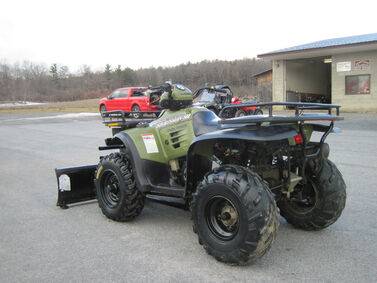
<point x="61" y="116"/>
<point x="65" y="116"/>
<point x="19" y="104"/>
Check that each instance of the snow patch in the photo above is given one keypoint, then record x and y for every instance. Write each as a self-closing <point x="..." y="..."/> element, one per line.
<point x="61" y="116"/>
<point x="19" y="104"/>
<point x="65" y="116"/>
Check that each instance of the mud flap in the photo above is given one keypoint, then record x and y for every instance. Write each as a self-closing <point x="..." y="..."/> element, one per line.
<point x="75" y="184"/>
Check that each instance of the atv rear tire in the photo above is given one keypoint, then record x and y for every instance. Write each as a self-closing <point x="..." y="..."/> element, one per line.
<point x="117" y="193"/>
<point x="234" y="215"/>
<point x="328" y="193"/>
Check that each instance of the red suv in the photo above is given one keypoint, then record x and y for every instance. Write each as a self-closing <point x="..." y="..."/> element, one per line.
<point x="128" y="99"/>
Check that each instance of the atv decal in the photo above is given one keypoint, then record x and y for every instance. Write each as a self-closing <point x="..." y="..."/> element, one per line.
<point x="150" y="143"/>
<point x="170" y="121"/>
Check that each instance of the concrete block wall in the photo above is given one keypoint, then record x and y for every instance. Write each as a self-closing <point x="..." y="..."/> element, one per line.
<point x="356" y="102"/>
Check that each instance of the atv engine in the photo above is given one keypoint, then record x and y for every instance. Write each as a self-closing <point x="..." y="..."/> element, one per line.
<point x="270" y="160"/>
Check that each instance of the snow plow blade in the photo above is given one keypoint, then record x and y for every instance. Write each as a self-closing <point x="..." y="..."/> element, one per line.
<point x="75" y="184"/>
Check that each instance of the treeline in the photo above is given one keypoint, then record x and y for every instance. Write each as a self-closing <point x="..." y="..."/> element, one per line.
<point x="37" y="82"/>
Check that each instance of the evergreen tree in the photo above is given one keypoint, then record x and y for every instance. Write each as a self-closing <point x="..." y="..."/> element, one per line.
<point x="54" y="73"/>
<point x="108" y="76"/>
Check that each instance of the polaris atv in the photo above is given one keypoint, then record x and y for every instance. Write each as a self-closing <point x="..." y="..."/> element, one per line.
<point x="233" y="174"/>
<point x="215" y="98"/>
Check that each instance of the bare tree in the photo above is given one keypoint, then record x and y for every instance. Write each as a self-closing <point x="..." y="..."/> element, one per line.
<point x="36" y="82"/>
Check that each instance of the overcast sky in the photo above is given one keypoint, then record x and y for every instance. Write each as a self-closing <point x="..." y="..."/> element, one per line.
<point x="143" y="33"/>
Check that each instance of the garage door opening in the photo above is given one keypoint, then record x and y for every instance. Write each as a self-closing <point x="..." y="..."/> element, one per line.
<point x="308" y="80"/>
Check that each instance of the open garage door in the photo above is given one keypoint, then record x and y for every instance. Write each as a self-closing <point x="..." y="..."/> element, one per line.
<point x="308" y="80"/>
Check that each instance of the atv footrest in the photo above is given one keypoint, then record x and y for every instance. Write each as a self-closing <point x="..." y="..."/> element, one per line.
<point x="75" y="184"/>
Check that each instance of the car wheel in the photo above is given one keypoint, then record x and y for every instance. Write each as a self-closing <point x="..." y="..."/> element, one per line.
<point x="136" y="109"/>
<point x="102" y="109"/>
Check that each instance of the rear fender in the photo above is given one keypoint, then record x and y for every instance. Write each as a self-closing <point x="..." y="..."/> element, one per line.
<point x="201" y="149"/>
<point x="249" y="133"/>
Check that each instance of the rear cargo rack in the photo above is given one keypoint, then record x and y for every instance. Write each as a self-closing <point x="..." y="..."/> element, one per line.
<point x="332" y="114"/>
<point x="287" y="118"/>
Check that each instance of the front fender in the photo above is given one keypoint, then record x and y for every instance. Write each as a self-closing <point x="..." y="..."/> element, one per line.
<point x="133" y="154"/>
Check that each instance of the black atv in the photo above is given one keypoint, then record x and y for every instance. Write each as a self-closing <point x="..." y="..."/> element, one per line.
<point x="215" y="98"/>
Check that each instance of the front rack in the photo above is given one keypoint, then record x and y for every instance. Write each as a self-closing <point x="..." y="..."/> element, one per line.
<point x="124" y="119"/>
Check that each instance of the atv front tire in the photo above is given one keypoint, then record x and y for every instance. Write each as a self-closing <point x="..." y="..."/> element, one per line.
<point x="324" y="200"/>
<point x="117" y="193"/>
<point x="234" y="215"/>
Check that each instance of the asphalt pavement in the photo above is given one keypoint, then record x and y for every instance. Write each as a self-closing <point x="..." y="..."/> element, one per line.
<point x="40" y="242"/>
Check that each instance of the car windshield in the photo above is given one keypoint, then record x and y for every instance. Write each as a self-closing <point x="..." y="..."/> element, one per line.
<point x="205" y="96"/>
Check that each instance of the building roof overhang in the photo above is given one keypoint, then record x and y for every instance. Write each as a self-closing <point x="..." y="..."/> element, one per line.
<point x="319" y="52"/>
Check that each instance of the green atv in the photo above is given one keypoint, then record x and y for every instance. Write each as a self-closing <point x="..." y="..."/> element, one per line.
<point x="233" y="174"/>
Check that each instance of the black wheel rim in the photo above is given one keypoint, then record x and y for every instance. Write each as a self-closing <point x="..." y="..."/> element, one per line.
<point x="304" y="198"/>
<point x="222" y="218"/>
<point x="110" y="191"/>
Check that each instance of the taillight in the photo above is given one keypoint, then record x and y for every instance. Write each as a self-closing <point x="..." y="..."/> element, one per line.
<point x="298" y="139"/>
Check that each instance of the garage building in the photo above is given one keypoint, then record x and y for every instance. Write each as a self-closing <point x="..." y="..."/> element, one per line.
<point x="340" y="71"/>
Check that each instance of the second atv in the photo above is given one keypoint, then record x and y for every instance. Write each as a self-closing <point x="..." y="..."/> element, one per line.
<point x="215" y="98"/>
<point x="233" y="173"/>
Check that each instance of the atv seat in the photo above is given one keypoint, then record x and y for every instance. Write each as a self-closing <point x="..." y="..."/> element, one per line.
<point x="204" y="122"/>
